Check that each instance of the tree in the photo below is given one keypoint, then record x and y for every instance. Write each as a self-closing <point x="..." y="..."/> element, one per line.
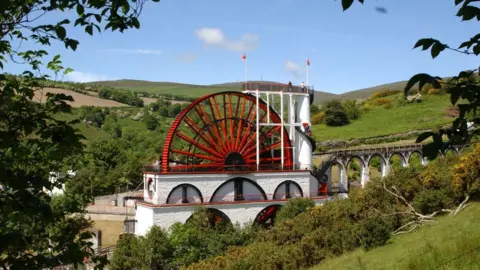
<point x="150" y="121"/>
<point x="127" y="254"/>
<point x="464" y="92"/>
<point x="37" y="233"/>
<point x="158" y="250"/>
<point x="106" y="154"/>
<point x="335" y="114"/>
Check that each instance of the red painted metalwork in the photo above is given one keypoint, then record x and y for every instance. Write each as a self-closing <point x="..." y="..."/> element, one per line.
<point x="266" y="217"/>
<point x="218" y="133"/>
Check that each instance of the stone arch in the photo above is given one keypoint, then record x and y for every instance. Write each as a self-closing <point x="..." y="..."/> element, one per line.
<point x="383" y="163"/>
<point x="238" y="189"/>
<point x="215" y="217"/>
<point x="451" y="150"/>
<point x="184" y="193"/>
<point x="420" y="157"/>
<point x="362" y="178"/>
<point x="342" y="176"/>
<point x="266" y="217"/>
<point x="403" y="160"/>
<point x="287" y="189"/>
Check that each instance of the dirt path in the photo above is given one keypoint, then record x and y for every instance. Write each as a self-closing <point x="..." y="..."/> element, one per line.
<point x="79" y="99"/>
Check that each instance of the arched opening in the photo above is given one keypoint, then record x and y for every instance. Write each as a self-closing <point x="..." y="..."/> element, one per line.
<point x="266" y="217"/>
<point x="415" y="160"/>
<point x="355" y="170"/>
<point x="336" y="175"/>
<point x="238" y="189"/>
<point x="397" y="161"/>
<point x="377" y="166"/>
<point x="287" y="189"/>
<point x="184" y="193"/>
<point x="451" y="152"/>
<point x="215" y="218"/>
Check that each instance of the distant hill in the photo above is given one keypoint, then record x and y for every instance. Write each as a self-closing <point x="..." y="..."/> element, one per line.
<point x="367" y="92"/>
<point x="192" y="90"/>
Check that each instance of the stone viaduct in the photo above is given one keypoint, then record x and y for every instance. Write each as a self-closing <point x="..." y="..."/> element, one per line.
<point x="342" y="159"/>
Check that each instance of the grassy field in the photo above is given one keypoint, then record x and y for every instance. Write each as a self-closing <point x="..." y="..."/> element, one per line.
<point x="90" y="132"/>
<point x="452" y="243"/>
<point x="381" y="121"/>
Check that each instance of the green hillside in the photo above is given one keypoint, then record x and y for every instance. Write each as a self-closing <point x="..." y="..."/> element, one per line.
<point x="367" y="92"/>
<point x="191" y="90"/>
<point x="452" y="243"/>
<point x="381" y="121"/>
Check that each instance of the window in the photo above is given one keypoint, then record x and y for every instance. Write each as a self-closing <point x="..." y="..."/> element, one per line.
<point x="238" y="190"/>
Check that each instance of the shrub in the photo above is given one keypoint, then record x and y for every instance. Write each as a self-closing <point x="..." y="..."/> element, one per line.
<point x="376" y="231"/>
<point x="293" y="208"/>
<point x="429" y="201"/>
<point x="400" y="101"/>
<point x="352" y="109"/>
<point x="381" y="101"/>
<point x="388" y="105"/>
<point x="466" y="173"/>
<point x="318" y="118"/>
<point x="384" y="93"/>
<point x="335" y="118"/>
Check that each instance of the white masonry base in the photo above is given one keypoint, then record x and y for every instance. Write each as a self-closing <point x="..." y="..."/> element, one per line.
<point x="165" y="216"/>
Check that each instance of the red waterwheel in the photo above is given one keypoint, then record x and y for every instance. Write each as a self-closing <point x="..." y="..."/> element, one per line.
<point x="218" y="133"/>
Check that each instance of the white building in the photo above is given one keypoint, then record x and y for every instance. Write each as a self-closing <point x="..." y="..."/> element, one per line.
<point x="240" y="154"/>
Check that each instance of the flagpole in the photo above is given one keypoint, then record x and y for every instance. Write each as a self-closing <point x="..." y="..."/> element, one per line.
<point x="308" y="65"/>
<point x="246" y="74"/>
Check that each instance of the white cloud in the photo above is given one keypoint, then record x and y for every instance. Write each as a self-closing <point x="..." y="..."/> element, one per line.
<point x="187" y="57"/>
<point x="135" y="51"/>
<point x="215" y="37"/>
<point x="78" y="76"/>
<point x="294" y="69"/>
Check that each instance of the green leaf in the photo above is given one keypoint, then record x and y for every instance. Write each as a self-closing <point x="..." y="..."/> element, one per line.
<point x="437" y="48"/>
<point x="458" y="2"/>
<point x="346" y="4"/>
<point x="55" y="59"/>
<point x="463" y="108"/>
<point x="71" y="43"/>
<point x="422" y="79"/>
<point x="456" y="92"/>
<point x="135" y="23"/>
<point x="80" y="10"/>
<point x="89" y="29"/>
<point x="61" y="32"/>
<point x="431" y="150"/>
<point x="476" y="49"/>
<point x="422" y="137"/>
<point x="425" y="43"/>
<point x="98" y="17"/>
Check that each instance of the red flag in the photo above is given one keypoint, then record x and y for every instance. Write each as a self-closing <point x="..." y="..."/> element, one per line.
<point x="244" y="57"/>
<point x="308" y="62"/>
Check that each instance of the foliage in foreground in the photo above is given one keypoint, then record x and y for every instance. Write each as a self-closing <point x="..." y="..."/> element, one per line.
<point x="453" y="243"/>
<point x="37" y="232"/>
<point x="366" y="219"/>
<point x="185" y="244"/>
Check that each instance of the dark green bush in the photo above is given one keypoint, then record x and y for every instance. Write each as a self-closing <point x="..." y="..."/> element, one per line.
<point x="376" y="231"/>
<point x="293" y="208"/>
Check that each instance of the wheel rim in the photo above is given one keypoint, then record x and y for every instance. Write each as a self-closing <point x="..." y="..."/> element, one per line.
<point x="218" y="133"/>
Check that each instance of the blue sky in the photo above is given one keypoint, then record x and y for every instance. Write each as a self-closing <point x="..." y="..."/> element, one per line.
<point x="201" y="42"/>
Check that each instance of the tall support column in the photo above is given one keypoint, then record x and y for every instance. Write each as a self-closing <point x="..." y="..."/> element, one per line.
<point x="268" y="108"/>
<point x="343" y="179"/>
<point x="282" y="129"/>
<point x="258" y="132"/>
<point x="365" y="177"/>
